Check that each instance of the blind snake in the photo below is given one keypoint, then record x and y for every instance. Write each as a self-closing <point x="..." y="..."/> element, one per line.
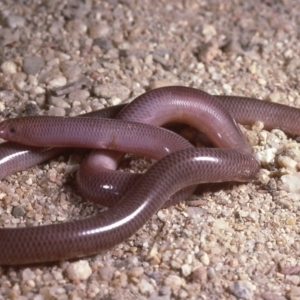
<point x="180" y="164"/>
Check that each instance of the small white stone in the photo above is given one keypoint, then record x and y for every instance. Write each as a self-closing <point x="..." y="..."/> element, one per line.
<point x="175" y="264"/>
<point x="31" y="283"/>
<point x="253" y="68"/>
<point x="211" y="273"/>
<point x="79" y="270"/>
<point x="59" y="102"/>
<point x="22" y="86"/>
<point x="186" y="270"/>
<point x="258" y="126"/>
<point x="57" y="111"/>
<point x="228" y="88"/>
<point x="114" y="101"/>
<point x="263" y="176"/>
<point x="2" y="195"/>
<point x="14" y="21"/>
<point x="209" y="30"/>
<point x="174" y="282"/>
<point x="9" y="67"/>
<point x="29" y="181"/>
<point x="39" y="90"/>
<point x="291" y="182"/>
<point x="183" y="294"/>
<point x="93" y="290"/>
<point x="2" y="106"/>
<point x="145" y="287"/>
<point x="262" y="81"/>
<point x="57" y="275"/>
<point x="286" y="162"/>
<point x="80" y="95"/>
<point x="275" y="97"/>
<point x="161" y="215"/>
<point x="266" y="156"/>
<point x="27" y="274"/>
<point x="204" y="259"/>
<point x="38" y="297"/>
<point x="221" y="224"/>
<point x="57" y="82"/>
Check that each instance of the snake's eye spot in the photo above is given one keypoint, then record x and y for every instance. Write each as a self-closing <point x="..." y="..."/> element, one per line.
<point x="12" y="130"/>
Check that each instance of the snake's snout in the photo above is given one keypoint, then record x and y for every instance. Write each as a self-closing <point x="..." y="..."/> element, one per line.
<point x="3" y="130"/>
<point x="8" y="130"/>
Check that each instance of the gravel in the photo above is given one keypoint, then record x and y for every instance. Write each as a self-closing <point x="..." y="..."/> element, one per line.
<point x="67" y="58"/>
<point x="33" y="64"/>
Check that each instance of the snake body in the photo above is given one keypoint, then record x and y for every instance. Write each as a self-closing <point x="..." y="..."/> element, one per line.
<point x="180" y="165"/>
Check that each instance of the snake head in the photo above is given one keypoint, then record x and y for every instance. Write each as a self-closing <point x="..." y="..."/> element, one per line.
<point x="23" y="130"/>
<point x="9" y="130"/>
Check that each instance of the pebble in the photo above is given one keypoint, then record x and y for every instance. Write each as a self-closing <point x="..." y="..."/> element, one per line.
<point x="145" y="287"/>
<point x="161" y="83"/>
<point x="9" y="67"/>
<point x="59" y="102"/>
<point x="57" y="275"/>
<point x="6" y="96"/>
<point x="79" y="270"/>
<point x="209" y="31"/>
<point x="287" y="162"/>
<point x="56" y="111"/>
<point x="194" y="211"/>
<point x="39" y="90"/>
<point x="93" y="290"/>
<point x="200" y="275"/>
<point x="155" y="296"/>
<point x="174" y="282"/>
<point x="18" y="211"/>
<point x="80" y="95"/>
<point x="106" y="273"/>
<point x="98" y="30"/>
<point x="263" y="176"/>
<point x="14" y="21"/>
<point x="272" y="296"/>
<point x="186" y="270"/>
<point x="291" y="182"/>
<point x="275" y="97"/>
<point x="123" y="280"/>
<point x="208" y="53"/>
<point x="211" y="273"/>
<point x="29" y="181"/>
<point x="77" y="26"/>
<point x="183" y="294"/>
<point x="221" y="224"/>
<point x="291" y="221"/>
<point x="110" y="90"/>
<point x="33" y="64"/>
<point x="295" y="293"/>
<point x="57" y="82"/>
<point x="27" y="274"/>
<point x="204" y="258"/>
<point x="242" y="289"/>
<point x="114" y="101"/>
<point x="266" y="156"/>
<point x="103" y="43"/>
<point x="293" y="279"/>
<point x="136" y="272"/>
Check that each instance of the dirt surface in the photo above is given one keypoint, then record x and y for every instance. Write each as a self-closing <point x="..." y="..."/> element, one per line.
<point x="239" y="242"/>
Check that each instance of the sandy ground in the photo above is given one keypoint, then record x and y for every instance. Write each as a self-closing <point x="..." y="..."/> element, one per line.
<point x="240" y="242"/>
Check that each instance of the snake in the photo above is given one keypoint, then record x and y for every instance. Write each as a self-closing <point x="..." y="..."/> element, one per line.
<point x="133" y="128"/>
